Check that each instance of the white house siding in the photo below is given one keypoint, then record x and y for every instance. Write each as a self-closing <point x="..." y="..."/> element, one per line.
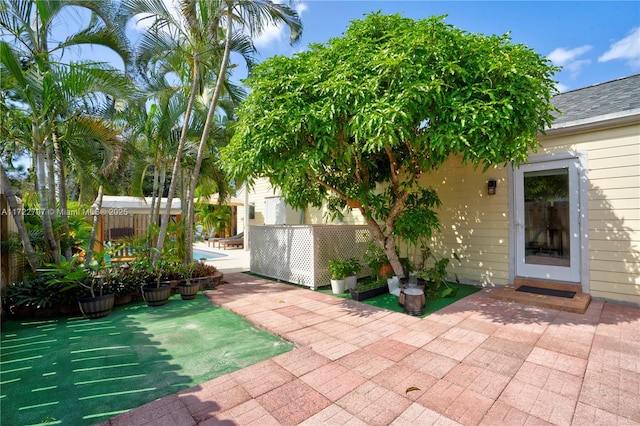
<point x="613" y="171"/>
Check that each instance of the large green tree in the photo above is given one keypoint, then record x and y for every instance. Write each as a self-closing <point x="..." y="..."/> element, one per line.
<point x="360" y="119"/>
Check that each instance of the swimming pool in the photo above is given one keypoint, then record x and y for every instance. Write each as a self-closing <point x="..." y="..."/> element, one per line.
<point x="204" y="254"/>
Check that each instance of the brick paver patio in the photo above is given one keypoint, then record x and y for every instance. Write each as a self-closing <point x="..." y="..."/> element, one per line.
<point x="479" y="361"/>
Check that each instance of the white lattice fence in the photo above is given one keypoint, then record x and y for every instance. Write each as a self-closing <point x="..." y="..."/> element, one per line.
<point x="300" y="254"/>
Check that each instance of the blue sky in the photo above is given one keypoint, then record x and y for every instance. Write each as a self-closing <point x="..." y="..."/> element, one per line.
<point x="594" y="41"/>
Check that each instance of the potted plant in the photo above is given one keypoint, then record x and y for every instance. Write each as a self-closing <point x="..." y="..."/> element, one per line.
<point x="74" y="275"/>
<point x="188" y="288"/>
<point x="156" y="293"/>
<point x="368" y="289"/>
<point x="377" y="260"/>
<point x="353" y="267"/>
<point x="436" y="285"/>
<point x="338" y="269"/>
<point x="208" y="275"/>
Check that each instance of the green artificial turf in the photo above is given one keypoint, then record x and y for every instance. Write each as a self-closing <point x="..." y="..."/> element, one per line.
<point x="390" y="302"/>
<point x="74" y="371"/>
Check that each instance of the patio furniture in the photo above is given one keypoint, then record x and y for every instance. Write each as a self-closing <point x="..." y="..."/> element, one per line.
<point x="235" y="241"/>
<point x="236" y="237"/>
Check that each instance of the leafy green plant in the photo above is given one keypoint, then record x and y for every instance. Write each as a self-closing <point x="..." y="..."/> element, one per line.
<point x="375" y="256"/>
<point x="339" y="269"/>
<point x="370" y="284"/>
<point x="436" y="285"/>
<point x="353" y="266"/>
<point x="73" y="274"/>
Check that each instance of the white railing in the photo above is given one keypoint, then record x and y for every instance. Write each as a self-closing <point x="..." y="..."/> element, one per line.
<point x="300" y="254"/>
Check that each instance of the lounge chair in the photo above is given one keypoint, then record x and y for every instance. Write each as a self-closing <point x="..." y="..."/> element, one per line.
<point x="235" y="241"/>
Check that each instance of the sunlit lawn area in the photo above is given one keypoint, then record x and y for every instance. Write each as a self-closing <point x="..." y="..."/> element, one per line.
<point x="73" y="371"/>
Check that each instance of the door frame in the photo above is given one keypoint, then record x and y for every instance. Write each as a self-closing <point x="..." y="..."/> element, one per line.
<point x="583" y="216"/>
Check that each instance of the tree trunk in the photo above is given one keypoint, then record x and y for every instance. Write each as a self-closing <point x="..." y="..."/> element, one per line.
<point x="47" y="227"/>
<point x="176" y="163"/>
<point x="205" y="134"/>
<point x="94" y="228"/>
<point x="389" y="245"/>
<point x="62" y="192"/>
<point x="51" y="181"/>
<point x="12" y="200"/>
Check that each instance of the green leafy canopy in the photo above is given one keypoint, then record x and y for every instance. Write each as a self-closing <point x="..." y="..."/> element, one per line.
<point x="364" y="116"/>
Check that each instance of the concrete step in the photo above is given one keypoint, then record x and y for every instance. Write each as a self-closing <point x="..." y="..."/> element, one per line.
<point x="578" y="304"/>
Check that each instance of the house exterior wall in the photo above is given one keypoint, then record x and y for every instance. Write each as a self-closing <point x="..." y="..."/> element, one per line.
<point x="613" y="172"/>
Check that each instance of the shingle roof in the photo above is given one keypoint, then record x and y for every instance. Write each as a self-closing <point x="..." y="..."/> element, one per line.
<point x="588" y="103"/>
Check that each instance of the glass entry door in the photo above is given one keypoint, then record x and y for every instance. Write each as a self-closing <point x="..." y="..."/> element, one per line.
<point x="547" y="221"/>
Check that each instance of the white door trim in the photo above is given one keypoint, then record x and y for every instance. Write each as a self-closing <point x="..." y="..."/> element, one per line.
<point x="583" y="226"/>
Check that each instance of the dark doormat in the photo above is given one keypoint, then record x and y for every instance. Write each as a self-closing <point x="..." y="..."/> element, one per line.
<point x="547" y="291"/>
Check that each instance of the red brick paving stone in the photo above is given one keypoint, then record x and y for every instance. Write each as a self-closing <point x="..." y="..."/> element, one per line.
<point x="300" y="361"/>
<point x="494" y="361"/>
<point x="603" y="391"/>
<point x="382" y="328"/>
<point x="416" y="414"/>
<point x="504" y="414"/>
<point x="167" y="411"/>
<point x="334" y="328"/>
<point x="507" y="347"/>
<point x="567" y="347"/>
<point x="462" y="335"/>
<point x="249" y="413"/>
<point x="391" y="349"/>
<point x="588" y="415"/>
<point x="333" y="380"/>
<point x="450" y="348"/>
<point x="373" y="404"/>
<point x="430" y="363"/>
<point x="559" y="382"/>
<point x="479" y="380"/>
<point x="554" y="408"/>
<point x="291" y="311"/>
<point x="333" y="348"/>
<point x="310" y="319"/>
<point x="469" y="408"/>
<point x="431" y="327"/>
<point x="413" y="337"/>
<point x="274" y="322"/>
<point x="217" y="395"/>
<point x="262" y="377"/>
<point x="365" y="363"/>
<point x="333" y="415"/>
<point x="558" y="361"/>
<point x="520" y="395"/>
<point x="358" y="337"/>
<point x="479" y="324"/>
<point x="400" y="378"/>
<point x="293" y="402"/>
<point x="441" y="396"/>
<point x="305" y="336"/>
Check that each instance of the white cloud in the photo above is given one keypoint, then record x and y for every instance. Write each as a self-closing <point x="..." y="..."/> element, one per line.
<point x="568" y="58"/>
<point x="627" y="48"/>
<point x="277" y="34"/>
<point x="562" y="87"/>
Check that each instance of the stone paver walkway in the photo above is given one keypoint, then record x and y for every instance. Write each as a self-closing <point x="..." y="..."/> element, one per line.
<point x="479" y="361"/>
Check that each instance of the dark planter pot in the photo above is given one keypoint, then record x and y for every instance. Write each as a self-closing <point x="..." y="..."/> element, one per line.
<point x="68" y="309"/>
<point x="123" y="300"/>
<point x="21" y="312"/>
<point x="156" y="296"/>
<point x="367" y="294"/>
<point x="214" y="281"/>
<point x="189" y="290"/>
<point x="96" y="307"/>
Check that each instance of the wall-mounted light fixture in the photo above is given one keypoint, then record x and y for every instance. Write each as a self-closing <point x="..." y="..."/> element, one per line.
<point x="491" y="187"/>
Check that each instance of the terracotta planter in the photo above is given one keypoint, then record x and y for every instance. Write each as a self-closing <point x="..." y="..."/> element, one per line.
<point x="96" y="307"/>
<point x="385" y="271"/>
<point x="156" y="296"/>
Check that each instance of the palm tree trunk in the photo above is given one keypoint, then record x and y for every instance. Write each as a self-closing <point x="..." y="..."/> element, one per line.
<point x="94" y="228"/>
<point x="51" y="180"/>
<point x="47" y="227"/>
<point x="12" y="200"/>
<point x="205" y="134"/>
<point x="62" y="191"/>
<point x="176" y="164"/>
